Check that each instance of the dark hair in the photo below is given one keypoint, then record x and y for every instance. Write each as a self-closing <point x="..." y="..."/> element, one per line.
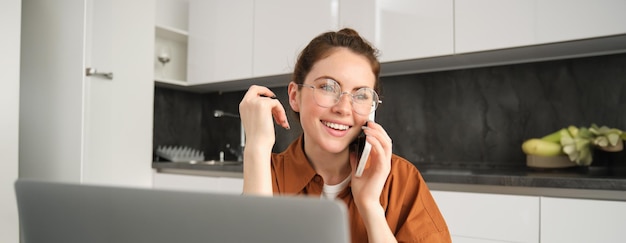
<point x="326" y="43"/>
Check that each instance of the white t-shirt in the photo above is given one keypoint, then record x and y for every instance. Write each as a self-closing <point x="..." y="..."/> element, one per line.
<point x="331" y="191"/>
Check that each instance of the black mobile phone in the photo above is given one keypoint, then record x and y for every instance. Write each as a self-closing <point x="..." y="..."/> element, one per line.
<point x="358" y="144"/>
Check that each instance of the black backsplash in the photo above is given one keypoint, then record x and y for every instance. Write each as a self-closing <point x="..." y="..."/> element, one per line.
<point x="474" y="118"/>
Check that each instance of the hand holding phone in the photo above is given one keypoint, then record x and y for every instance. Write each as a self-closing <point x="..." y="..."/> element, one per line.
<point x="363" y="151"/>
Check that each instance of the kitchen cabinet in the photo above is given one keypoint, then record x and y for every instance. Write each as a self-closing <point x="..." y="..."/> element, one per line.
<point x="562" y="20"/>
<point x="282" y="28"/>
<point x="488" y="217"/>
<point x="171" y="38"/>
<point x="582" y="220"/>
<point x="484" y="217"/>
<point x="221" y="37"/>
<point x="173" y="14"/>
<point x="233" y="40"/>
<point x="80" y="128"/>
<point x="9" y="124"/>
<point x="482" y="25"/>
<point x="170" y="55"/>
<point x="200" y="183"/>
<point x="402" y="29"/>
<point x="233" y="44"/>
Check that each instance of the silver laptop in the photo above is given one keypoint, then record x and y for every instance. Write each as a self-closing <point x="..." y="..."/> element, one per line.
<point x="72" y="213"/>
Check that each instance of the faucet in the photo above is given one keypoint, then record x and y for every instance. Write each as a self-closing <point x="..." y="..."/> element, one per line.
<point x="237" y="152"/>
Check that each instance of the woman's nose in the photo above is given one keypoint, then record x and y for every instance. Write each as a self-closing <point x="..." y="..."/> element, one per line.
<point x="344" y="104"/>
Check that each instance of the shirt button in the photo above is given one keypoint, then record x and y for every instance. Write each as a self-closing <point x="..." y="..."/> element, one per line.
<point x="317" y="178"/>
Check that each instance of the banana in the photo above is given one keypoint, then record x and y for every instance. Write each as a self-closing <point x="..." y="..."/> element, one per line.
<point x="535" y="146"/>
<point x="554" y="137"/>
<point x="573" y="130"/>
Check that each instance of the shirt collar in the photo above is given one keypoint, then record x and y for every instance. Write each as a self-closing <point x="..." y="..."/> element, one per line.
<point x="301" y="171"/>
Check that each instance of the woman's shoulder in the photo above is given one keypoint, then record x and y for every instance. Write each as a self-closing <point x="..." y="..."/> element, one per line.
<point x="402" y="164"/>
<point x="403" y="171"/>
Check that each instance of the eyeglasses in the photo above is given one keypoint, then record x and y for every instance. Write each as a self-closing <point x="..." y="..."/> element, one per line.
<point x="327" y="93"/>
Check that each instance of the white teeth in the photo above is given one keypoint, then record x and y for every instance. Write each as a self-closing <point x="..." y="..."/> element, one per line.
<point x="336" y="126"/>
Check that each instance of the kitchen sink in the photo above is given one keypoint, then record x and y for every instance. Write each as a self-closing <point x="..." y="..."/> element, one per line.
<point x="217" y="162"/>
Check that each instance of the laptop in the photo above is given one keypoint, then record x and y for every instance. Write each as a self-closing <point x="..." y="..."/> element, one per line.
<point x="72" y="213"/>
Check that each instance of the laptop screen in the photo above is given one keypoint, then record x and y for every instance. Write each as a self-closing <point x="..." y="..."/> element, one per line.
<point x="65" y="212"/>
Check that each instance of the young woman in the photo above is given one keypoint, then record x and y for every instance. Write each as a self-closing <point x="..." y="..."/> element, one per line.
<point x="332" y="93"/>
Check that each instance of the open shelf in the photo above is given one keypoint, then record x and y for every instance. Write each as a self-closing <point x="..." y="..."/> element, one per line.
<point x="174" y="42"/>
<point x="171" y="33"/>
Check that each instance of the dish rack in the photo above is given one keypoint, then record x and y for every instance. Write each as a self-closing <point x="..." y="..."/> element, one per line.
<point x="179" y="153"/>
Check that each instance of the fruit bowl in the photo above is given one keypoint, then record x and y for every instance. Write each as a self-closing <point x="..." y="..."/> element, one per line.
<point x="548" y="162"/>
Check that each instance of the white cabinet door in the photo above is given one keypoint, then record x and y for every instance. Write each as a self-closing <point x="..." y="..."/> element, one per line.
<point x="87" y="129"/>
<point x="51" y="91"/>
<point x="582" y="220"/>
<point x="282" y="28"/>
<point x="221" y="38"/>
<point x="199" y="183"/>
<point x="402" y="29"/>
<point x="482" y="217"/>
<point x="11" y="12"/>
<point x="561" y="20"/>
<point x="173" y="14"/>
<point x="494" y="24"/>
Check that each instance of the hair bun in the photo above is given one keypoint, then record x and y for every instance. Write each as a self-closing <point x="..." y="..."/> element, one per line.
<point x="349" y="32"/>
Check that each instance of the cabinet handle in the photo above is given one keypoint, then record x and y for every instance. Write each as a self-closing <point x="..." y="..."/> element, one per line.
<point x="93" y="72"/>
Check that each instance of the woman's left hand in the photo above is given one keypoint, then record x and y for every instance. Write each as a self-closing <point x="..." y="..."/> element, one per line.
<point x="366" y="189"/>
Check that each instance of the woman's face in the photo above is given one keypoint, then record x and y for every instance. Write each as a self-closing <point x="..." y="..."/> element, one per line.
<point x="332" y="128"/>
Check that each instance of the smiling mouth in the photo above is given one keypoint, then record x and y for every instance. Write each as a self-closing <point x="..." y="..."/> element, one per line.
<point x="336" y="126"/>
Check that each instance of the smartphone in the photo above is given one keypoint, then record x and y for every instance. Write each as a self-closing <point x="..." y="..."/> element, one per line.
<point x="363" y="149"/>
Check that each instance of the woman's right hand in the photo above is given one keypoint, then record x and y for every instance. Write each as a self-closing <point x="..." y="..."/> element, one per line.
<point x="256" y="111"/>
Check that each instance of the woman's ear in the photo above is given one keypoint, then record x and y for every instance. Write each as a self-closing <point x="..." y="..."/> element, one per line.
<point x="294" y="96"/>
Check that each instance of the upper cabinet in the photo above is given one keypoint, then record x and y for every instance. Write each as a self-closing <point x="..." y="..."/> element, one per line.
<point x="282" y="28"/>
<point x="482" y="25"/>
<point x="170" y="55"/>
<point x="220" y="40"/>
<point x="172" y="14"/>
<point x="579" y="20"/>
<point x="258" y="41"/>
<point x="233" y="40"/>
<point x="171" y="38"/>
<point x="402" y="29"/>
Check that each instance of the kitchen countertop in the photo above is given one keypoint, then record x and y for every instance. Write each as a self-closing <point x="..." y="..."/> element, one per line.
<point x="572" y="178"/>
<point x="576" y="178"/>
<point x="163" y="166"/>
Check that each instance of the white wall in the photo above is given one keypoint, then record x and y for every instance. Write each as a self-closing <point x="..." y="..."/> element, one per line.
<point x="10" y="19"/>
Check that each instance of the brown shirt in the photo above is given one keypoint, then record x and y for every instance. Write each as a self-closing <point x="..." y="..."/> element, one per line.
<point x="411" y="211"/>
